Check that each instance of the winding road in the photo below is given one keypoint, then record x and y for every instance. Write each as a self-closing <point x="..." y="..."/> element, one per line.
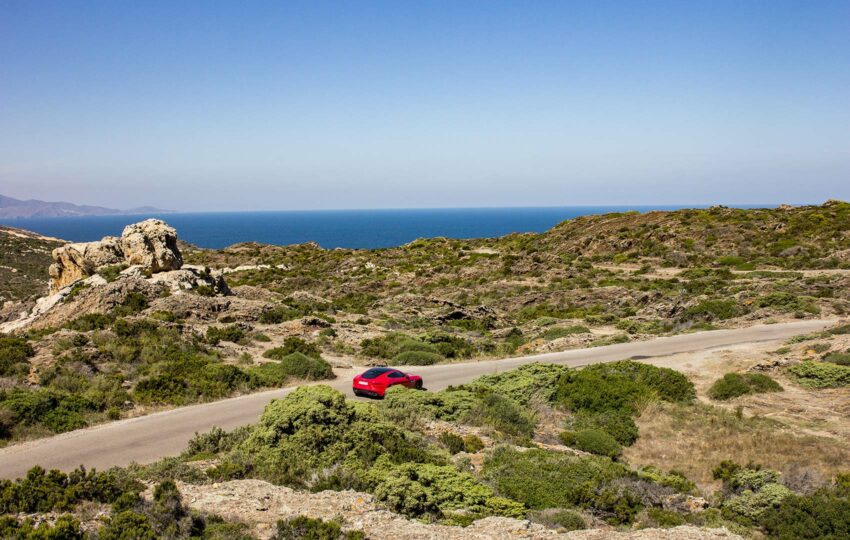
<point x="147" y="438"/>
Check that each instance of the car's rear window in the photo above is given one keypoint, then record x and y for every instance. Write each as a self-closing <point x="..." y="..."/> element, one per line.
<point x="375" y="372"/>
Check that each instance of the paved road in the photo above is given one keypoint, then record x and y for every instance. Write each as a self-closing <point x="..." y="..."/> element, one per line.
<point x="148" y="438"/>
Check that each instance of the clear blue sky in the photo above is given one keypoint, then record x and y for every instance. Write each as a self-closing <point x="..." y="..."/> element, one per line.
<point x="298" y="105"/>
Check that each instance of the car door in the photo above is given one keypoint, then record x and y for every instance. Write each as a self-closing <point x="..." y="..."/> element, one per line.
<point x="397" y="377"/>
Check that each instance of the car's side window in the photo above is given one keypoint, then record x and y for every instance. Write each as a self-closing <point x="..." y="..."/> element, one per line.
<point x="395" y="375"/>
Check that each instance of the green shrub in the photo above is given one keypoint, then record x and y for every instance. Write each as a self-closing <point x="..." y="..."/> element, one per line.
<point x="788" y="302"/>
<point x="305" y="528"/>
<point x="842" y="359"/>
<point x="617" y="424"/>
<point x="501" y="413"/>
<point x="594" y="441"/>
<point x="126" y="526"/>
<point x="232" y="333"/>
<point x="42" y="491"/>
<point x="665" y="518"/>
<point x="66" y="527"/>
<point x="824" y="514"/>
<point x="454" y="443"/>
<point x="417" y="358"/>
<point x="315" y="429"/>
<point x="307" y="368"/>
<point x="560" y="519"/>
<point x="110" y="273"/>
<point x="734" y="385"/>
<point x="820" y="374"/>
<point x="473" y="444"/>
<point x="14" y="354"/>
<point x="282" y="313"/>
<point x="355" y="303"/>
<point x="750" y="506"/>
<point x="544" y="479"/>
<point x="293" y="344"/>
<point x="162" y="389"/>
<point x="525" y="383"/>
<point x="134" y="302"/>
<point x="715" y="309"/>
<point x="89" y="322"/>
<point x="668" y="384"/>
<point x="58" y="411"/>
<point x="425" y="489"/>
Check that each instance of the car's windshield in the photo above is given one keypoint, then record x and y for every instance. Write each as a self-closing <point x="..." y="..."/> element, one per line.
<point x="375" y="372"/>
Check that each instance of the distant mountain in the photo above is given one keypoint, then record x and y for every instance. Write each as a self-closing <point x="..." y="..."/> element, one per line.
<point x="15" y="208"/>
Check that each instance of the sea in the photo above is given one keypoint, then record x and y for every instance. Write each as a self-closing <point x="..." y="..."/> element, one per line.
<point x="329" y="228"/>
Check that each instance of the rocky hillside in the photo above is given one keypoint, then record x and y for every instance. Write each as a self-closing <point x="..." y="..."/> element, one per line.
<point x="24" y="259"/>
<point x="784" y="237"/>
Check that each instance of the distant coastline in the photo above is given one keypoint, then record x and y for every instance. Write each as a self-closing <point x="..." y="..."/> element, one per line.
<point x="11" y="208"/>
<point x="362" y="229"/>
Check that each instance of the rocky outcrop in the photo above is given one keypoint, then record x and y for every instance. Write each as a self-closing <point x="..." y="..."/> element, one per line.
<point x="150" y="244"/>
<point x="74" y="262"/>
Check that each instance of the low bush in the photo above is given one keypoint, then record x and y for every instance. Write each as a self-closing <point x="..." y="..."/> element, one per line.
<point x="292" y="366"/>
<point x="473" y="444"/>
<point x="291" y="345"/>
<point x="560" y="519"/>
<point x="110" y="273"/>
<point x="454" y="443"/>
<point x="734" y="385"/>
<point x="302" y="527"/>
<point x="439" y="491"/>
<point x="526" y="383"/>
<point x="66" y="527"/>
<point x="14" y="355"/>
<point x="618" y="425"/>
<point x="842" y="359"/>
<point x="315" y="429"/>
<point x="501" y="413"/>
<point x="820" y="374"/>
<point x="232" y="333"/>
<point x="823" y="514"/>
<point x="55" y="410"/>
<point x="42" y="491"/>
<point x="282" y="313"/>
<point x="788" y="302"/>
<point x="714" y="309"/>
<point x="417" y="358"/>
<point x="544" y="479"/>
<point x="594" y="441"/>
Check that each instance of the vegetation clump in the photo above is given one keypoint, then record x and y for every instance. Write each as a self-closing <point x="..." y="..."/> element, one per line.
<point x="815" y="374"/>
<point x="734" y="385"/>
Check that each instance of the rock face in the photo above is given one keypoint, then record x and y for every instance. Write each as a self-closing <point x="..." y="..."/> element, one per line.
<point x="151" y="244"/>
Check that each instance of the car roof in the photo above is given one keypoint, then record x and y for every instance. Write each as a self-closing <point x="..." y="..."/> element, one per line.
<point x="376" y="372"/>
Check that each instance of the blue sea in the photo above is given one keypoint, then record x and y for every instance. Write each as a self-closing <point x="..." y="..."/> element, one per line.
<point x="329" y="228"/>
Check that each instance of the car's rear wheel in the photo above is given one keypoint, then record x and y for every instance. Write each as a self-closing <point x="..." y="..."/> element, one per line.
<point x="357" y="392"/>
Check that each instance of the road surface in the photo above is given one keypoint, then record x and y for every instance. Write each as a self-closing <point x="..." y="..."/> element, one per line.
<point x="148" y="438"/>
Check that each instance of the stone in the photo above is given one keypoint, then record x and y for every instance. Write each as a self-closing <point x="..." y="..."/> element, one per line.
<point x="150" y="244"/>
<point x="74" y="262"/>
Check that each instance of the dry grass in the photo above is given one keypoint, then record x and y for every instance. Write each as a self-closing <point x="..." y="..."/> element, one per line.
<point x="695" y="438"/>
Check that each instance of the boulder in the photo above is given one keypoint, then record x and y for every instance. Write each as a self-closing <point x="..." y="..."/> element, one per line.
<point x="150" y="244"/>
<point x="74" y="262"/>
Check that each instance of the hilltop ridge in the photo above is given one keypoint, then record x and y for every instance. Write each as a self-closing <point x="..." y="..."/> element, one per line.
<point x="16" y="208"/>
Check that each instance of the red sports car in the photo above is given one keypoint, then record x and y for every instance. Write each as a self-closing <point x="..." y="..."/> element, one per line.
<point x="375" y="381"/>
